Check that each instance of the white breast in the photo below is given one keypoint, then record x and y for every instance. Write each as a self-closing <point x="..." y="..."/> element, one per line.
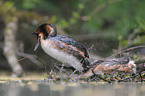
<point x="60" y="55"/>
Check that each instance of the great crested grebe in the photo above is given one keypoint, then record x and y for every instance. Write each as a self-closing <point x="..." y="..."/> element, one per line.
<point x="63" y="48"/>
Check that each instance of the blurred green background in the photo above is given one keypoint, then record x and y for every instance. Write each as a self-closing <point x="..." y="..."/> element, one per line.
<point x="102" y="26"/>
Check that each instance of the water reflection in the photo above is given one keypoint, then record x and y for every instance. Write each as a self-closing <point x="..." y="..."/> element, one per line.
<point x="72" y="89"/>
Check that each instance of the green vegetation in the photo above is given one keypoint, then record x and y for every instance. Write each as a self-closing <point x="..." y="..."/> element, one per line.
<point x="117" y="18"/>
<point x="106" y="24"/>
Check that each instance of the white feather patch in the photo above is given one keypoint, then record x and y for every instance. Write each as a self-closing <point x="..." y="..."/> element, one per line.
<point x="132" y="65"/>
<point x="60" y="55"/>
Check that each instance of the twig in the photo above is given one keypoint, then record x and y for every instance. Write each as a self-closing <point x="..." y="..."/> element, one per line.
<point x="129" y="49"/>
<point x="100" y="77"/>
<point x="29" y="56"/>
<point x="89" y="49"/>
<point x="132" y="77"/>
<point x="132" y="48"/>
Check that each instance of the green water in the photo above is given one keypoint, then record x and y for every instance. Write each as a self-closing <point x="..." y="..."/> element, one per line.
<point x="71" y="89"/>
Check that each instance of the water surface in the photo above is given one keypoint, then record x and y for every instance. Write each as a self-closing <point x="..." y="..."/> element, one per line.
<point x="71" y="89"/>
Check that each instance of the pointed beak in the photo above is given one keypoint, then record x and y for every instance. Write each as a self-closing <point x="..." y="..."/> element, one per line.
<point x="38" y="41"/>
<point x="36" y="46"/>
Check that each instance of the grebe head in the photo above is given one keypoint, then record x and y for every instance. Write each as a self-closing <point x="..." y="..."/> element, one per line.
<point x="45" y="31"/>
